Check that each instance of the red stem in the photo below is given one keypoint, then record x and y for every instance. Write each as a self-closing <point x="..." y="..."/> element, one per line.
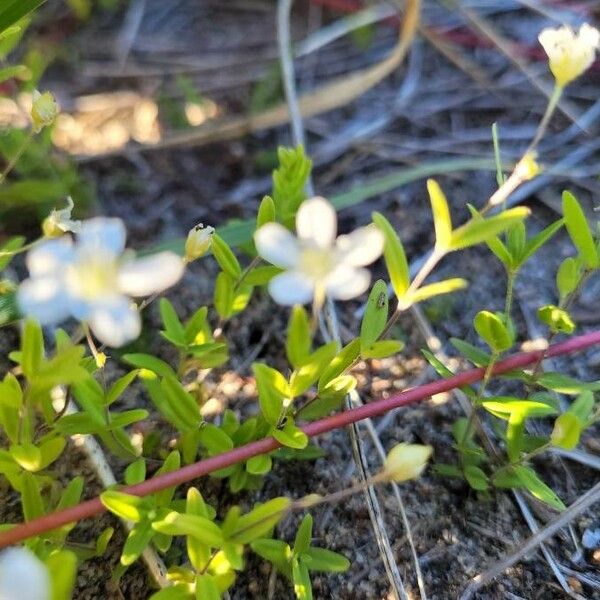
<point x="94" y="507"/>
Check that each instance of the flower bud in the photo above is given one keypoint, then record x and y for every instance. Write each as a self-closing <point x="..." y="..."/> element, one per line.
<point x="570" y="54"/>
<point x="406" y="461"/>
<point x="43" y="110"/>
<point x="198" y="242"/>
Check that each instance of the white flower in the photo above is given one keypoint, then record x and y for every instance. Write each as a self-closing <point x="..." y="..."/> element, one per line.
<point x="59" y="221"/>
<point x="92" y="279"/>
<point x="198" y="241"/>
<point x="23" y="576"/>
<point x="570" y="53"/>
<point x="317" y="264"/>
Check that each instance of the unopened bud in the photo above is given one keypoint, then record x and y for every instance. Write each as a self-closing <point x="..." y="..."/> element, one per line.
<point x="198" y="242"/>
<point x="406" y="461"/>
<point x="43" y="110"/>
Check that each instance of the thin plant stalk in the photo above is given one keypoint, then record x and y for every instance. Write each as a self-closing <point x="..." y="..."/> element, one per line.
<point x="376" y="408"/>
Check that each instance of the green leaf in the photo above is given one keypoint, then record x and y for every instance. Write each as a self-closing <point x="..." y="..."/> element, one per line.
<point x="537" y="241"/>
<point x="329" y="398"/>
<point x="259" y="521"/>
<point x="259" y="465"/>
<point x="261" y="275"/>
<point x="273" y="389"/>
<point x="441" y="216"/>
<point x="492" y="329"/>
<point x="437" y="289"/>
<point x="394" y="256"/>
<point x="477" y="356"/>
<point x="505" y="406"/>
<point x="303" y="535"/>
<point x="531" y="482"/>
<point x="566" y="432"/>
<point x="135" y="472"/>
<point x="119" y="386"/>
<point x="214" y="439"/>
<point x="382" y="349"/>
<point x="557" y="382"/>
<point x="200" y="528"/>
<point x="289" y="182"/>
<point x="299" y="340"/>
<point x="224" y="294"/>
<point x="326" y="561"/>
<point x="266" y="212"/>
<point x="103" y="540"/>
<point x="275" y="552"/>
<point x="310" y="371"/>
<point x="170" y="464"/>
<point x="174" y="330"/>
<point x="32" y="345"/>
<point x="125" y="506"/>
<point x="137" y="541"/>
<point x="579" y="230"/>
<point x="480" y="230"/>
<point x="557" y="319"/>
<point x="31" y="497"/>
<point x="51" y="447"/>
<point x="27" y="455"/>
<point x="376" y="314"/>
<point x="345" y="358"/>
<point x="16" y="71"/>
<point x="126" y="417"/>
<point x="301" y="579"/>
<point x="289" y="435"/>
<point x="146" y="361"/>
<point x="181" y="402"/>
<point x="582" y="406"/>
<point x="476" y="478"/>
<point x="13" y="11"/>
<point x="568" y="277"/>
<point x="207" y="588"/>
<point x="225" y="257"/>
<point x="8" y="249"/>
<point x="62" y="566"/>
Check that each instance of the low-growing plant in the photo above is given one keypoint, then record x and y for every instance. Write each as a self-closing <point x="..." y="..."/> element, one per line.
<point x="57" y="389"/>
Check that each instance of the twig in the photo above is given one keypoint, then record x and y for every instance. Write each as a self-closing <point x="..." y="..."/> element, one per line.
<point x="580" y="505"/>
<point x="240" y="454"/>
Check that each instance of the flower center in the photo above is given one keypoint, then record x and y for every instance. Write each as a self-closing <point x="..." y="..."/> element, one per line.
<point x="316" y="263"/>
<point x="93" y="276"/>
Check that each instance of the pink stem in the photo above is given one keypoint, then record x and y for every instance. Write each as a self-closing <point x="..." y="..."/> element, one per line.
<point x="94" y="507"/>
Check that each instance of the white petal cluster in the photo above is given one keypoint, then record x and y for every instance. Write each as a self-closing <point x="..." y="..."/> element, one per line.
<point x="316" y="263"/>
<point x="23" y="576"/>
<point x="92" y="278"/>
<point x="570" y="53"/>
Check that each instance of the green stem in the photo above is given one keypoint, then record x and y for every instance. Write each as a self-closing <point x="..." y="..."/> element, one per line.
<point x="13" y="161"/>
<point x="543" y="126"/>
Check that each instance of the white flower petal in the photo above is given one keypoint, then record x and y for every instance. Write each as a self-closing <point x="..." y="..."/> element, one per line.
<point x="347" y="282"/>
<point x="145" y="276"/>
<point x="291" y="287"/>
<point x="43" y="298"/>
<point x="103" y="233"/>
<point x="116" y="322"/>
<point x="23" y="576"/>
<point x="316" y="222"/>
<point x="361" y="247"/>
<point x="50" y="256"/>
<point x="277" y="245"/>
